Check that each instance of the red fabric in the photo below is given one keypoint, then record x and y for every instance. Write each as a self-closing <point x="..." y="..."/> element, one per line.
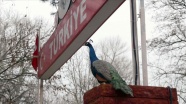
<point x="35" y="54"/>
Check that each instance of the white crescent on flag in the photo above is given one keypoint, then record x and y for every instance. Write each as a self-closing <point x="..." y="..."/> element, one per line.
<point x="63" y="7"/>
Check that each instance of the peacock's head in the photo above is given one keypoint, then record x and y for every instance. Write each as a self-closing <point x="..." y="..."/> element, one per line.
<point x="88" y="43"/>
<point x="92" y="53"/>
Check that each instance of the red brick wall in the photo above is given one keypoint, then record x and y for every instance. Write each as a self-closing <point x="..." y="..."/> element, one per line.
<point x="105" y="94"/>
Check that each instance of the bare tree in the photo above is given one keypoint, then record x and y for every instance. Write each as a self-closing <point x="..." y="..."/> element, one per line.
<point x="114" y="51"/>
<point x="170" y="16"/>
<point x="17" y="45"/>
<point x="75" y="78"/>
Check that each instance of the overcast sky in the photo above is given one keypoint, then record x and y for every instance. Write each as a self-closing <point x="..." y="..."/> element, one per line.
<point x="117" y="25"/>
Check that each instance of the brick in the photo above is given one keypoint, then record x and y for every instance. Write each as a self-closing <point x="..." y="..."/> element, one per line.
<point x="143" y="101"/>
<point x="106" y="94"/>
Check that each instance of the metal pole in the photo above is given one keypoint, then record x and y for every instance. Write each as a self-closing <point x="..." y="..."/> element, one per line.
<point x="40" y="81"/>
<point x="41" y="91"/>
<point x="143" y="43"/>
<point x="134" y="40"/>
<point x="38" y="98"/>
<point x="38" y="92"/>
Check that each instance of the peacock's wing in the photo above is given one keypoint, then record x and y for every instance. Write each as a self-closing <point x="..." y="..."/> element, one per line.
<point x="111" y="74"/>
<point x="104" y="68"/>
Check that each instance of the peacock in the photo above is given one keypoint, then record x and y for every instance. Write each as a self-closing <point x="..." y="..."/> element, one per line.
<point x="104" y="72"/>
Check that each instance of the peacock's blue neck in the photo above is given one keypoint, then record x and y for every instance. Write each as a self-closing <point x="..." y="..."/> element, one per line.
<point x="92" y="54"/>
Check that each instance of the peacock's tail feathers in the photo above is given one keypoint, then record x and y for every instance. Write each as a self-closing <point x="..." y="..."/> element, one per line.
<point x="119" y="84"/>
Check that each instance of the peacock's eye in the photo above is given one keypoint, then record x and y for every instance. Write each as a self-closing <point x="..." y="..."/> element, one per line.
<point x="86" y="43"/>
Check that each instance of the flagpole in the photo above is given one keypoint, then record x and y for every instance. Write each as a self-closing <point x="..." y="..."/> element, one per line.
<point x="38" y="98"/>
<point x="40" y="81"/>
<point x="41" y="91"/>
<point x="38" y="91"/>
<point x="143" y="43"/>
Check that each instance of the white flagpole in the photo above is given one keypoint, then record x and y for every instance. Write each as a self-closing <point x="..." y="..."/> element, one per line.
<point x="143" y="43"/>
<point x="38" y="98"/>
<point x="40" y="81"/>
<point x="41" y="91"/>
<point x="38" y="92"/>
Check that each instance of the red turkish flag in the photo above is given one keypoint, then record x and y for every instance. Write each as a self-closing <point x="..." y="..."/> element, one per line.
<point x="36" y="54"/>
